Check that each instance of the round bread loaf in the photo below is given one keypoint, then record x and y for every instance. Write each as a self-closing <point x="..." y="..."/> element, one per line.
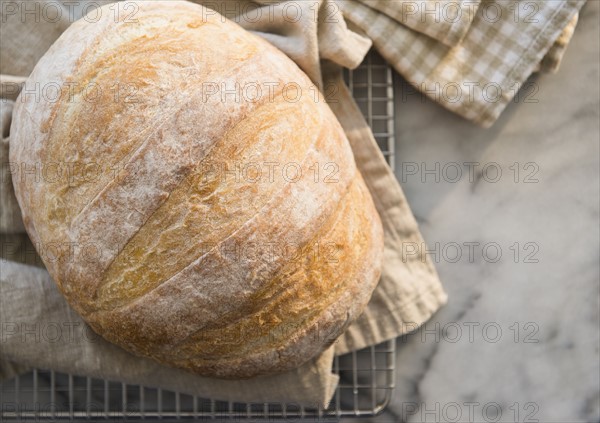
<point x="191" y="193"/>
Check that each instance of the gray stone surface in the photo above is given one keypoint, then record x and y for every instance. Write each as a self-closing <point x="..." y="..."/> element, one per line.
<point x="519" y="337"/>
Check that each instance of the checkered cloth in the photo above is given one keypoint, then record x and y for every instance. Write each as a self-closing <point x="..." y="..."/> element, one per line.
<point x="471" y="56"/>
<point x="445" y="21"/>
<point x="551" y="62"/>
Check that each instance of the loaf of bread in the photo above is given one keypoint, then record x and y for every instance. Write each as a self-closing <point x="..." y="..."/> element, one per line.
<point x="191" y="193"/>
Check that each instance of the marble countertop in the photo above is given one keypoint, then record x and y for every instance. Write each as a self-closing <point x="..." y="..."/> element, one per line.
<point x="518" y="251"/>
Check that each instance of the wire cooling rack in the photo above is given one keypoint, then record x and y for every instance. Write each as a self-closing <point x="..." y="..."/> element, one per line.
<point x="366" y="376"/>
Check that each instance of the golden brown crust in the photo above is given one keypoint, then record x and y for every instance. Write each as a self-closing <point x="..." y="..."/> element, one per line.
<point x="180" y="252"/>
<point x="214" y="201"/>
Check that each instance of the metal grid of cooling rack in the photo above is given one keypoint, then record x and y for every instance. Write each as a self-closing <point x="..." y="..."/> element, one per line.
<point x="366" y="376"/>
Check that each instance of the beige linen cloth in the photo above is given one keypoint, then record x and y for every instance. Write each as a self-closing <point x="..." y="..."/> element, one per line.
<point x="429" y="42"/>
